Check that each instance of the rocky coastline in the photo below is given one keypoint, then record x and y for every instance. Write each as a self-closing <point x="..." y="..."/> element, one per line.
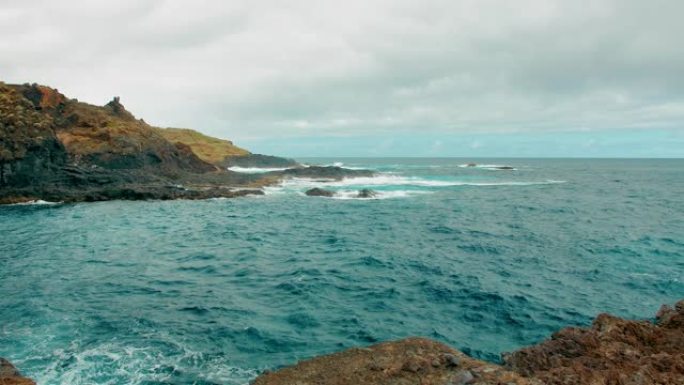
<point x="58" y="149"/>
<point x="612" y="351"/>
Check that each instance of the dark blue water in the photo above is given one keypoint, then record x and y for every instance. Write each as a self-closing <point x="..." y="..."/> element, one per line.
<point x="212" y="292"/>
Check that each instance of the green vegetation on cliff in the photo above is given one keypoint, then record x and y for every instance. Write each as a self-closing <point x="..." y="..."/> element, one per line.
<point x="209" y="149"/>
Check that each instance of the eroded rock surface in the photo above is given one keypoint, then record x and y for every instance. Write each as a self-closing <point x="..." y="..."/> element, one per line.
<point x="415" y="361"/>
<point x="9" y="375"/>
<point x="611" y="351"/>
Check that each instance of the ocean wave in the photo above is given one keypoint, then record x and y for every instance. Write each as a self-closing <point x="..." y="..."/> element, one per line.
<point x="494" y="167"/>
<point x="256" y="170"/>
<point x="388" y="180"/>
<point x="353" y="194"/>
<point x="37" y="202"/>
<point x="119" y="362"/>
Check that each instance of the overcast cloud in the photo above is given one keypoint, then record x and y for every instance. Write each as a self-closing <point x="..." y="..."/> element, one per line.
<point x="276" y="69"/>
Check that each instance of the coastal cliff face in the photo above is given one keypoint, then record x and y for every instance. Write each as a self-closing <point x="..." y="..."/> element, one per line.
<point x="59" y="149"/>
<point x="613" y="351"/>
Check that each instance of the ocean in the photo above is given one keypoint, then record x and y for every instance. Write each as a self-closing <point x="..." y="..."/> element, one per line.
<point x="213" y="292"/>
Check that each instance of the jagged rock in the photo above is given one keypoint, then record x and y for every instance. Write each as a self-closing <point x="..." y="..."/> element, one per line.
<point x="406" y="361"/>
<point x="258" y="161"/>
<point x="319" y="192"/>
<point x="611" y="351"/>
<point x="9" y="375"/>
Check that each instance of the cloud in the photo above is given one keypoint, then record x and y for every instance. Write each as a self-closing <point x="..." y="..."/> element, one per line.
<point x="267" y="69"/>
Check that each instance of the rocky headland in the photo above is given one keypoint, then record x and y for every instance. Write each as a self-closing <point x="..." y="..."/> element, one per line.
<point x="55" y="148"/>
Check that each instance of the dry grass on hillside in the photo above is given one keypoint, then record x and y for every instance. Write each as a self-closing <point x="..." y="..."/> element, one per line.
<point x="211" y="150"/>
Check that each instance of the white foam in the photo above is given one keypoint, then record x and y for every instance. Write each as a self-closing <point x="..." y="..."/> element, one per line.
<point x="397" y="180"/>
<point x="135" y="365"/>
<point x="494" y="167"/>
<point x="256" y="170"/>
<point x="35" y="202"/>
<point x="353" y="194"/>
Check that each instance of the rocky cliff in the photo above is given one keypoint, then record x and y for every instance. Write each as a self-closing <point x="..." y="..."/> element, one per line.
<point x="60" y="149"/>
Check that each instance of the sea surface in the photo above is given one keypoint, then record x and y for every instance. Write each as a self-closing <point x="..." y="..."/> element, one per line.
<point x="215" y="291"/>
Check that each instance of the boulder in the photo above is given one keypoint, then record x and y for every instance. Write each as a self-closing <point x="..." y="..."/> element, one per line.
<point x="319" y="192"/>
<point x="367" y="193"/>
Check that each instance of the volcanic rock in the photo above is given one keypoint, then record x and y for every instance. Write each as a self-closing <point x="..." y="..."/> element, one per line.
<point x="319" y="192"/>
<point x="611" y="351"/>
<point x="9" y="375"/>
<point x="366" y="193"/>
<point x="408" y="361"/>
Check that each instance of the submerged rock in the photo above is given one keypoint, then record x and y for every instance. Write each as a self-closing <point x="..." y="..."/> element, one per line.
<point x="367" y="193"/>
<point x="319" y="192"/>
<point x="9" y="375"/>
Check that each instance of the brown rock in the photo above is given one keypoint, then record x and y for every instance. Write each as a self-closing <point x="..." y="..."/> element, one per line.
<point x="409" y="361"/>
<point x="9" y="375"/>
<point x="612" y="351"/>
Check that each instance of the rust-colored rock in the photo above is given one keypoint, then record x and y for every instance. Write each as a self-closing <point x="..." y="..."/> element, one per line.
<point x="9" y="375"/>
<point x="416" y="361"/>
<point x="611" y="351"/>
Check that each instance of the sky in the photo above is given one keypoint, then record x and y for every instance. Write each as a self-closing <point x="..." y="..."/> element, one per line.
<point x="602" y="78"/>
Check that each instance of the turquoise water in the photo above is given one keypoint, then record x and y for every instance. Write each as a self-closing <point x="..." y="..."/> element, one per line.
<point x="212" y="292"/>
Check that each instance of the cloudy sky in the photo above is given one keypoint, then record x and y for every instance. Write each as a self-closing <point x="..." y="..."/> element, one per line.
<point x="372" y="78"/>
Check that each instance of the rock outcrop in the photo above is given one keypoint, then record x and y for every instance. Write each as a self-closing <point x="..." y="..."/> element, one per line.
<point x="366" y="193"/>
<point x="416" y="361"/>
<point x="258" y="161"/>
<point x="319" y="192"/>
<point x="613" y="351"/>
<point x="9" y="375"/>
<point x="59" y="149"/>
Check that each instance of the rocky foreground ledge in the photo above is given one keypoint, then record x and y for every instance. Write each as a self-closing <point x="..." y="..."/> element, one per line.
<point x="9" y="375"/>
<point x="613" y="351"/>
